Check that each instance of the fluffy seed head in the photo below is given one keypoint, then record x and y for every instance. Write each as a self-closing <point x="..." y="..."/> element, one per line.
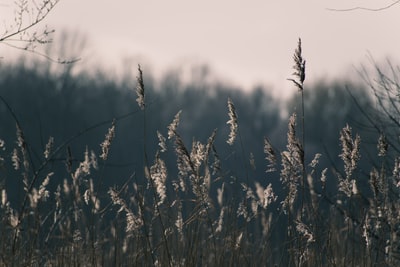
<point x="323" y="177"/>
<point x="49" y="147"/>
<point x="15" y="159"/>
<point x="3" y="198"/>
<point x="350" y="150"/>
<point x="161" y="142"/>
<point x="105" y="146"/>
<point x="220" y="220"/>
<point x="140" y="89"/>
<point x="382" y="146"/>
<point x="232" y="122"/>
<point x="270" y="155"/>
<point x="315" y="161"/>
<point x="299" y="67"/>
<point x="305" y="231"/>
<point x="158" y="173"/>
<point x="174" y="125"/>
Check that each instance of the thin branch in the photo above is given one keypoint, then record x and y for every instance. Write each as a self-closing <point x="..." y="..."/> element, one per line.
<point x="58" y="61"/>
<point x="369" y="118"/>
<point x="40" y="17"/>
<point x="365" y="8"/>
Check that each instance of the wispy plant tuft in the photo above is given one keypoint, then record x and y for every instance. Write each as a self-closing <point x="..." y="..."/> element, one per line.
<point x="161" y="142"/>
<point x="300" y="76"/>
<point x="174" y="125"/>
<point x="270" y="155"/>
<point x="140" y="89"/>
<point x="158" y="173"/>
<point x="232" y="122"/>
<point x="105" y="146"/>
<point x="193" y="210"/>
<point x="382" y="146"/>
<point x="299" y="67"/>
<point x="49" y="147"/>
<point x="350" y="150"/>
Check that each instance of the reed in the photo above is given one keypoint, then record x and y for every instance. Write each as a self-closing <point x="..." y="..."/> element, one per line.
<point x="199" y="214"/>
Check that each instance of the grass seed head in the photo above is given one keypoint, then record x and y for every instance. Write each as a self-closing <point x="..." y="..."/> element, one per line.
<point x="49" y="147"/>
<point x="174" y="125"/>
<point x="299" y="67"/>
<point x="140" y="89"/>
<point x="350" y="150"/>
<point x="382" y="146"/>
<point x="232" y="122"/>
<point x="270" y="155"/>
<point x="105" y="146"/>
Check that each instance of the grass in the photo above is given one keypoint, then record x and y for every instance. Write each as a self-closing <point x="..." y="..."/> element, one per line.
<point x="202" y="216"/>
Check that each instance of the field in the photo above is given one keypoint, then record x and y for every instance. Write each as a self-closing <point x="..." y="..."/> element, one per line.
<point x="200" y="214"/>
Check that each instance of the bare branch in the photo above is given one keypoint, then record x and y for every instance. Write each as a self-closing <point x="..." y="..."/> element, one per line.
<point x="19" y="34"/>
<point x="59" y="61"/>
<point x="41" y="13"/>
<point x="365" y="8"/>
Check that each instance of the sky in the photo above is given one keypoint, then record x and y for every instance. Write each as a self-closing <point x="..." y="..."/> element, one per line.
<point x="245" y="43"/>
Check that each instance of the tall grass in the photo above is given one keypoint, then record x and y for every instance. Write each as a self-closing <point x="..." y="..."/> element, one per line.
<point x="201" y="216"/>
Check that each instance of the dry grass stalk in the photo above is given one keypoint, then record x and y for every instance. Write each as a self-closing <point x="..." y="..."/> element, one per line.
<point x="270" y="155"/>
<point x="105" y="146"/>
<point x="299" y="67"/>
<point x="140" y="89"/>
<point x="239" y="225"/>
<point x="172" y="128"/>
<point x="350" y="150"/>
<point x="233" y="124"/>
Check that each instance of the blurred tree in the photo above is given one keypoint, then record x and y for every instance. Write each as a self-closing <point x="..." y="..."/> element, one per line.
<point x="87" y="100"/>
<point x="383" y="82"/>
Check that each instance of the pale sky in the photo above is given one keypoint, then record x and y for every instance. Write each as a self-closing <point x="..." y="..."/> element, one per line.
<point x="244" y="42"/>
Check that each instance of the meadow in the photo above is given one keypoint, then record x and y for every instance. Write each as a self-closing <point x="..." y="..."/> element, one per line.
<point x="200" y="214"/>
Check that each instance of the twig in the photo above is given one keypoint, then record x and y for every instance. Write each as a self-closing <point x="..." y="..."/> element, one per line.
<point x="364" y="8"/>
